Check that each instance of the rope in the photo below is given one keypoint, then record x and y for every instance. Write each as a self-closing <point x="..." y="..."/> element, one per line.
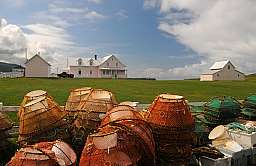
<point x="241" y="127"/>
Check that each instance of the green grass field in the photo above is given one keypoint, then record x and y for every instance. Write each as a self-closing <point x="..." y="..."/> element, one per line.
<point x="144" y="91"/>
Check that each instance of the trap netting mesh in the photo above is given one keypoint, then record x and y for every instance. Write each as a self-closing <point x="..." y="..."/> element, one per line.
<point x="221" y="110"/>
<point x="5" y="123"/>
<point x="172" y="123"/>
<point x="41" y="116"/>
<point x="249" y="110"/>
<point x="123" y="138"/>
<point x="54" y="153"/>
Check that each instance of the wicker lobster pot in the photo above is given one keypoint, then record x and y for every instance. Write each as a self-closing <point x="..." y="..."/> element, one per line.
<point x="5" y="125"/>
<point x="103" y="147"/>
<point x="126" y="117"/>
<point x="30" y="97"/>
<point x="94" y="106"/>
<point x="172" y="123"/>
<point x="42" y="120"/>
<point x="75" y="97"/>
<point x="31" y="156"/>
<point x="45" y="153"/>
<point x="123" y="139"/>
<point x="91" y="109"/>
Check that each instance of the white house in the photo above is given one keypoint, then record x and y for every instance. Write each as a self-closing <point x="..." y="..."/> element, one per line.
<point x="37" y="67"/>
<point x="106" y="67"/>
<point x="223" y="70"/>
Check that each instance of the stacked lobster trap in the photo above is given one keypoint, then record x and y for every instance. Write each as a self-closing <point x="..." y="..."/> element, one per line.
<point x="249" y="108"/>
<point x="5" y="125"/>
<point x="123" y="138"/>
<point x="41" y="119"/>
<point x="56" y="153"/>
<point x="221" y="110"/>
<point x="87" y="107"/>
<point x="173" y="124"/>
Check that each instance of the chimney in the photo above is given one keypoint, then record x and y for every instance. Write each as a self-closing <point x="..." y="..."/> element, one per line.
<point x="26" y="54"/>
<point x="95" y="57"/>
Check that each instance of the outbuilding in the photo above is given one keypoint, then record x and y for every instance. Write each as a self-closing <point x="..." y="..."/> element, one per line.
<point x="37" y="67"/>
<point x="223" y="70"/>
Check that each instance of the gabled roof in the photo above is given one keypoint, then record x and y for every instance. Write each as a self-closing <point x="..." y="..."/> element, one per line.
<point x="105" y="58"/>
<point x="210" y="72"/>
<point x="98" y="62"/>
<point x="38" y="57"/>
<point x="219" y="65"/>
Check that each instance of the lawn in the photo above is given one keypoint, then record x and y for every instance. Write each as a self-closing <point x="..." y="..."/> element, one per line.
<point x="144" y="91"/>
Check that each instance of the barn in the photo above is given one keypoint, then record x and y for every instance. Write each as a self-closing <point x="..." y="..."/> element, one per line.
<point x="223" y="70"/>
<point x="37" y="67"/>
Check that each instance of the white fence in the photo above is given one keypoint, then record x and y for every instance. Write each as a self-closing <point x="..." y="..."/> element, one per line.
<point x="11" y="74"/>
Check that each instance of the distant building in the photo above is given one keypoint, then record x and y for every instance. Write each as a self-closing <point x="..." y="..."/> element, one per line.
<point x="223" y="70"/>
<point x="106" y="67"/>
<point x="37" y="67"/>
<point x="11" y="70"/>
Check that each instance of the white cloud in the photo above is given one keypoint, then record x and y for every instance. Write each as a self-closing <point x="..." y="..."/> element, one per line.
<point x="96" y="1"/>
<point x="93" y="16"/>
<point x="12" y="42"/>
<point x="188" y="71"/>
<point x="54" y="43"/>
<point x="216" y="30"/>
<point x="66" y="14"/>
<point x="12" y="3"/>
<point x="122" y="14"/>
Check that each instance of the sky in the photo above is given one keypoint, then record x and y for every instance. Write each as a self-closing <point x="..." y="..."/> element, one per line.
<point x="165" y="39"/>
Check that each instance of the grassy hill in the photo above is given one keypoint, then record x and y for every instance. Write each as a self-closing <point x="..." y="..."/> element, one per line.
<point x="144" y="91"/>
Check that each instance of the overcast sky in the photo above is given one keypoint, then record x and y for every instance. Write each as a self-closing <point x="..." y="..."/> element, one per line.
<point x="166" y="39"/>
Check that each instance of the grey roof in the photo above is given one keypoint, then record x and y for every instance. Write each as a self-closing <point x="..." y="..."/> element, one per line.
<point x="211" y="72"/>
<point x="98" y="62"/>
<point x="38" y="57"/>
<point x="219" y="65"/>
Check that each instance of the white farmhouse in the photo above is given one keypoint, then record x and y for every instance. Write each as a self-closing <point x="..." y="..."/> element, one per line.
<point x="106" y="67"/>
<point x="223" y="70"/>
<point x="37" y="67"/>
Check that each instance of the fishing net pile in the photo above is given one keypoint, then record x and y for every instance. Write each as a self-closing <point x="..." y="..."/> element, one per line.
<point x="172" y="125"/>
<point x="221" y="110"/>
<point x="249" y="109"/>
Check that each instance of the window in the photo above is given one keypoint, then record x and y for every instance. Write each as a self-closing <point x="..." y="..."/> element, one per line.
<point x="79" y="72"/>
<point x="91" y="62"/>
<point x="107" y="64"/>
<point x="238" y="75"/>
<point x="90" y="72"/>
<point x="218" y="75"/>
<point x="79" y="61"/>
<point x="116" y="64"/>
<point x="104" y="72"/>
<point x="228" y="67"/>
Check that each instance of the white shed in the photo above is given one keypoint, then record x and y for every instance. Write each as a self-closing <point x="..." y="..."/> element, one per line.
<point x="223" y="70"/>
<point x="37" y="67"/>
